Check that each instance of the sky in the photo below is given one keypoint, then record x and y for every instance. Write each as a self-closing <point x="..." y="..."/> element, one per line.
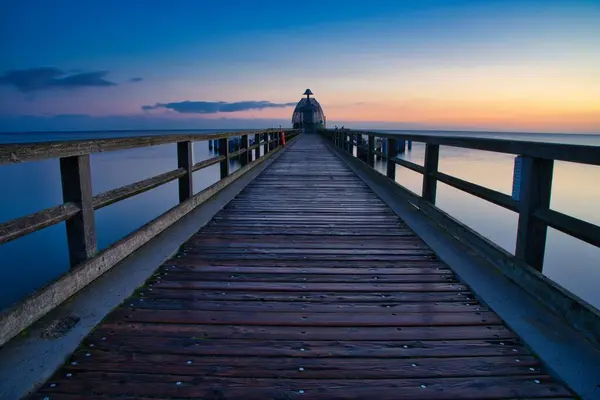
<point x="523" y="65"/>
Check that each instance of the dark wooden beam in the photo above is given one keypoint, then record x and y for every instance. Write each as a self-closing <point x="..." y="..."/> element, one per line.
<point x="76" y="180"/>
<point x="257" y="148"/>
<point x="553" y="151"/>
<point x="536" y="189"/>
<point x="245" y="155"/>
<point x="208" y="162"/>
<point x="392" y="152"/>
<point x="185" y="162"/>
<point x="22" y="152"/>
<point x="18" y="227"/>
<point x="115" y="195"/>
<point x="432" y="155"/>
<point x="493" y="196"/>
<point x="371" y="152"/>
<point x="224" y="152"/>
<point x="410" y="165"/>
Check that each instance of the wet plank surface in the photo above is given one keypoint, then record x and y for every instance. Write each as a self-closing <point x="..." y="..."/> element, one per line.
<point x="306" y="286"/>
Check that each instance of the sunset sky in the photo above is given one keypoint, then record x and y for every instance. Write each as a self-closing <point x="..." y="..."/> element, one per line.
<point x="122" y="64"/>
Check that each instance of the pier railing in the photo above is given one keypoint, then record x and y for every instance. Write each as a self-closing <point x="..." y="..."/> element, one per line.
<point x="531" y="201"/>
<point x="79" y="204"/>
<point x="533" y="198"/>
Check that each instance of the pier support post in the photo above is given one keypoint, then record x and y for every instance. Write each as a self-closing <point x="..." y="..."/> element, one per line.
<point x="244" y="157"/>
<point x="185" y="161"/>
<point x="535" y="193"/>
<point x="76" y="180"/>
<point x="371" y="151"/>
<point x="432" y="156"/>
<point x="224" y="151"/>
<point x="392" y="152"/>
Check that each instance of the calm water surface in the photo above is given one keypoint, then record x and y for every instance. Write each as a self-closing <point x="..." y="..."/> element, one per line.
<point x="29" y="263"/>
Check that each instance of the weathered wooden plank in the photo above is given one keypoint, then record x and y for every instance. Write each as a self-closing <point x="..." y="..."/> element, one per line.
<point x="428" y="262"/>
<point x="307" y="252"/>
<point x="263" y="332"/>
<point x="22" y="152"/>
<point x="300" y="287"/>
<point x="493" y="196"/>
<point x="307" y="278"/>
<point x="390" y="318"/>
<point x="416" y="269"/>
<point x="157" y="303"/>
<point x="308" y="296"/>
<point x="305" y="368"/>
<point x="500" y="387"/>
<point x="206" y="163"/>
<point x="358" y="349"/>
<point x="115" y="195"/>
<point x="19" y="227"/>
<point x="557" y="151"/>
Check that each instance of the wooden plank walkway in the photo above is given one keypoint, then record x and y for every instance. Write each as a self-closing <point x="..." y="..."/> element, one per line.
<point x="306" y="286"/>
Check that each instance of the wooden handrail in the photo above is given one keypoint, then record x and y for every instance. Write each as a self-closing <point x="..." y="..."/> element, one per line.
<point x="533" y="204"/>
<point x="18" y="227"/>
<point x="22" y="152"/>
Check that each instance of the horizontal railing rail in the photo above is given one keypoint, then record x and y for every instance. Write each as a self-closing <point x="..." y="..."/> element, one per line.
<point x="78" y="207"/>
<point x="533" y="199"/>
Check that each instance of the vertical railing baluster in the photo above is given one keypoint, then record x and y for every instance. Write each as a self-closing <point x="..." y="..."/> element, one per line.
<point x="76" y="178"/>
<point x="224" y="151"/>
<point x="265" y="136"/>
<point x="432" y="156"/>
<point x="257" y="144"/>
<point x="371" y="151"/>
<point x="534" y="194"/>
<point x="244" y="157"/>
<point x="185" y="160"/>
<point x="392" y="152"/>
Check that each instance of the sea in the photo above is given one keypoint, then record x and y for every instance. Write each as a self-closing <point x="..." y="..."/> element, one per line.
<point x="30" y="262"/>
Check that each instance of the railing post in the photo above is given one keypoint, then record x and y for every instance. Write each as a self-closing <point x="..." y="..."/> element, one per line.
<point x="265" y="136"/>
<point x="269" y="138"/>
<point x="535" y="193"/>
<point x="346" y="142"/>
<point x="246" y="155"/>
<point x="76" y="180"/>
<point x="224" y="151"/>
<point x="371" y="151"/>
<point x="257" y="148"/>
<point x="432" y="156"/>
<point x="392" y="152"/>
<point x="185" y="160"/>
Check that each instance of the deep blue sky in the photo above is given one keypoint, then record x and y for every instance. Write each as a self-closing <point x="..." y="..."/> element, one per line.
<point x="479" y="64"/>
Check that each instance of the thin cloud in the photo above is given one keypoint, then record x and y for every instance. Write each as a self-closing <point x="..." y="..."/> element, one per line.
<point x="136" y="79"/>
<point x="215" y="107"/>
<point x="50" y="78"/>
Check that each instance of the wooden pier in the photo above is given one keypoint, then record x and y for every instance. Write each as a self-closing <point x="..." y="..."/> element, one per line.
<point x="305" y="286"/>
<point x="306" y="283"/>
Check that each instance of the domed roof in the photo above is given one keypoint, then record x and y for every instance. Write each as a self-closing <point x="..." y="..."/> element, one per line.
<point x="303" y="104"/>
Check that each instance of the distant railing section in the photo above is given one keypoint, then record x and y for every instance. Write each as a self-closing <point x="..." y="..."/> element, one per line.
<point x="533" y="200"/>
<point x="79" y="204"/>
